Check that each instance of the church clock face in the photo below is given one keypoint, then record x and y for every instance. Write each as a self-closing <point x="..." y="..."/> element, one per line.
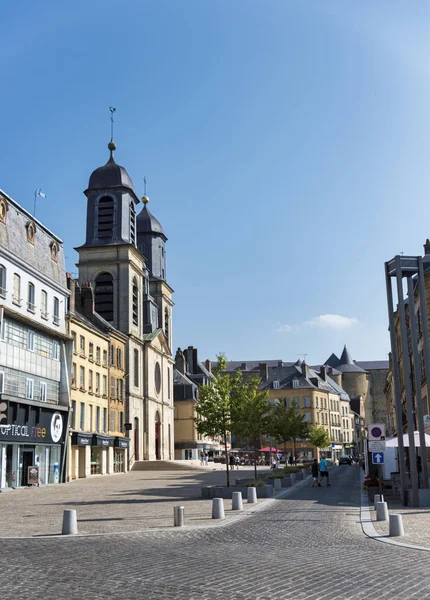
<point x="157" y="377"/>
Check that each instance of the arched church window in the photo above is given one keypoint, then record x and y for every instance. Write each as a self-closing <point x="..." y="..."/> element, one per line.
<point x="166" y="324"/>
<point x="132" y="223"/>
<point x="135" y="300"/>
<point x="105" y="218"/>
<point x="103" y="296"/>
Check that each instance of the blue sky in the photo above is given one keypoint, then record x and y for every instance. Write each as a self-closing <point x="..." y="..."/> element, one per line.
<point x="285" y="144"/>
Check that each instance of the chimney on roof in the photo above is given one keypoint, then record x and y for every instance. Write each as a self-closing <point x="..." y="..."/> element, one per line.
<point x="323" y="372"/>
<point x="191" y="355"/>
<point x="427" y="247"/>
<point x="208" y="365"/>
<point x="264" y="371"/>
<point x="71" y="284"/>
<point x="87" y="299"/>
<point x="243" y="367"/>
<point x="180" y="361"/>
<point x="305" y="369"/>
<point x="279" y="363"/>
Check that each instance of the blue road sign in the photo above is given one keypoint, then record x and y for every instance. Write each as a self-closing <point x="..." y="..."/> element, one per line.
<point x="377" y="458"/>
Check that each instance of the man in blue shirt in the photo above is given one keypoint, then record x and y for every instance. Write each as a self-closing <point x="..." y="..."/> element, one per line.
<point x="323" y="472"/>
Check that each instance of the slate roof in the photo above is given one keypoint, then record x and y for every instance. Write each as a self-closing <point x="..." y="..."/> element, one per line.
<point x="253" y="365"/>
<point x="110" y="175"/>
<point x="370" y="365"/>
<point x="147" y="223"/>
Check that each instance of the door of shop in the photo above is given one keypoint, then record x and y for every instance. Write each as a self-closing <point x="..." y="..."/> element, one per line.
<point x="27" y="461"/>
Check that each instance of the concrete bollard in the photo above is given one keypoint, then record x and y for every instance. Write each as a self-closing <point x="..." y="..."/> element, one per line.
<point x="277" y="485"/>
<point x="378" y="498"/>
<point x="381" y="511"/>
<point x="178" y="516"/>
<point x="396" y="526"/>
<point x="237" y="503"/>
<point x="70" y="523"/>
<point x="218" y="508"/>
<point x="293" y="478"/>
<point x="252" y="495"/>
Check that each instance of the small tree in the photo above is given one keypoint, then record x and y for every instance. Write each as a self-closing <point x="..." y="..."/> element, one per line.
<point x="319" y="437"/>
<point x="251" y="413"/>
<point x="214" y="406"/>
<point x="286" y="425"/>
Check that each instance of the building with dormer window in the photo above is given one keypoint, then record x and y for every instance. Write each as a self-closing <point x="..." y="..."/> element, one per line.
<point x="34" y="350"/>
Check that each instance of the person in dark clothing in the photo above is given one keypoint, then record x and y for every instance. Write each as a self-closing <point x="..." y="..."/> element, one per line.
<point x="315" y="472"/>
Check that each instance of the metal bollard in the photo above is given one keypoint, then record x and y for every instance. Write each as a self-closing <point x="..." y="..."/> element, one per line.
<point x="70" y="523"/>
<point x="381" y="511"/>
<point x="218" y="508"/>
<point x="252" y="495"/>
<point x="237" y="503"/>
<point x="396" y="526"/>
<point x="277" y="485"/>
<point x="378" y="498"/>
<point x="178" y="516"/>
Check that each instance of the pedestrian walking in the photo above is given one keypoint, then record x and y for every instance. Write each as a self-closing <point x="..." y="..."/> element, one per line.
<point x="206" y="458"/>
<point x="231" y="461"/>
<point x="290" y="460"/>
<point x="237" y="460"/>
<point x="202" y="458"/>
<point x="323" y="472"/>
<point x="315" y="473"/>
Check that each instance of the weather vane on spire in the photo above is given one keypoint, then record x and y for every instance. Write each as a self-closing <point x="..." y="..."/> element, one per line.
<point x="112" y="110"/>
<point x="144" y="185"/>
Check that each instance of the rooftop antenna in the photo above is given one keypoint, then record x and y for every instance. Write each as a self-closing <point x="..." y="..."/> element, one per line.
<point x="112" y="111"/>
<point x="304" y="356"/>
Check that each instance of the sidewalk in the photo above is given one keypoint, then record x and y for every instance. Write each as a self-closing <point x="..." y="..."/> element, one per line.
<point x="128" y="502"/>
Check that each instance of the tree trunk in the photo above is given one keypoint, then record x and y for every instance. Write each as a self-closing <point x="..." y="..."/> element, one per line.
<point x="227" y="461"/>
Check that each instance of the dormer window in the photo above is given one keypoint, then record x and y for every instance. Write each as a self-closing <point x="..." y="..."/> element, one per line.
<point x="276" y="385"/>
<point x="295" y="383"/>
<point x="3" y="210"/>
<point x="31" y="231"/>
<point x="54" y="251"/>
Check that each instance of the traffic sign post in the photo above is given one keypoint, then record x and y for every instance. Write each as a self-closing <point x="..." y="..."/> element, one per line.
<point x="378" y="458"/>
<point x="376" y="432"/>
<point x="376" y="446"/>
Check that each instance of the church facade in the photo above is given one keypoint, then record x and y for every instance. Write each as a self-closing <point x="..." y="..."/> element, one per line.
<point x="124" y="259"/>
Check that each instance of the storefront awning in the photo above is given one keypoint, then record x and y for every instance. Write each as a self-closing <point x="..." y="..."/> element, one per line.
<point x="81" y="439"/>
<point x="102" y="440"/>
<point x="121" y="442"/>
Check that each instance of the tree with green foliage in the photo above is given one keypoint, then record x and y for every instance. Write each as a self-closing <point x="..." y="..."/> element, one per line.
<point x="251" y="413"/>
<point x="215" y="412"/>
<point x="287" y="425"/>
<point x="319" y="437"/>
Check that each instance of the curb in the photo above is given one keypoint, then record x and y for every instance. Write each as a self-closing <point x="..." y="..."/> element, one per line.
<point x="370" y="531"/>
<point x="187" y="528"/>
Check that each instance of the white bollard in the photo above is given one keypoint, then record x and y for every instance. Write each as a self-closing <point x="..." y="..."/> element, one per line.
<point x="396" y="526"/>
<point x="70" y="523"/>
<point x="237" y="503"/>
<point x="277" y="485"/>
<point x="381" y="511"/>
<point x="218" y="508"/>
<point x="378" y="498"/>
<point x="178" y="516"/>
<point x="252" y="495"/>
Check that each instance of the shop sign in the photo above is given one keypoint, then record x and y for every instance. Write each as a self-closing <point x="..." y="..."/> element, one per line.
<point x="99" y="440"/>
<point x="80" y="439"/>
<point x="42" y="426"/>
<point x="122" y="442"/>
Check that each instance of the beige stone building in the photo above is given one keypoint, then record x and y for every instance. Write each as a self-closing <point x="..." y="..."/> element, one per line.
<point x="96" y="443"/>
<point x="124" y="259"/>
<point x="189" y="375"/>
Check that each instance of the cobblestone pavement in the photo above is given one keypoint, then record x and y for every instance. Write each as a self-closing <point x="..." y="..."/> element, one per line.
<point x="416" y="523"/>
<point x="111" y="504"/>
<point x="309" y="546"/>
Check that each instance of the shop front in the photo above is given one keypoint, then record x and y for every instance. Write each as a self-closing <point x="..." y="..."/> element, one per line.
<point x="97" y="454"/>
<point x="31" y="444"/>
<point x="120" y="459"/>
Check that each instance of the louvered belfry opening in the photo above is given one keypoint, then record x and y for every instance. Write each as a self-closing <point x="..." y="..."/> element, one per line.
<point x="103" y="296"/>
<point x="105" y="218"/>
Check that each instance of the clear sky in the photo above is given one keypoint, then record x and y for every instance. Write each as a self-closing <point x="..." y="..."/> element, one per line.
<point x="285" y="144"/>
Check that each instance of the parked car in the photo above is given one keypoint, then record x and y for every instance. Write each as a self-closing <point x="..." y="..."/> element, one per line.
<point x="345" y="460"/>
